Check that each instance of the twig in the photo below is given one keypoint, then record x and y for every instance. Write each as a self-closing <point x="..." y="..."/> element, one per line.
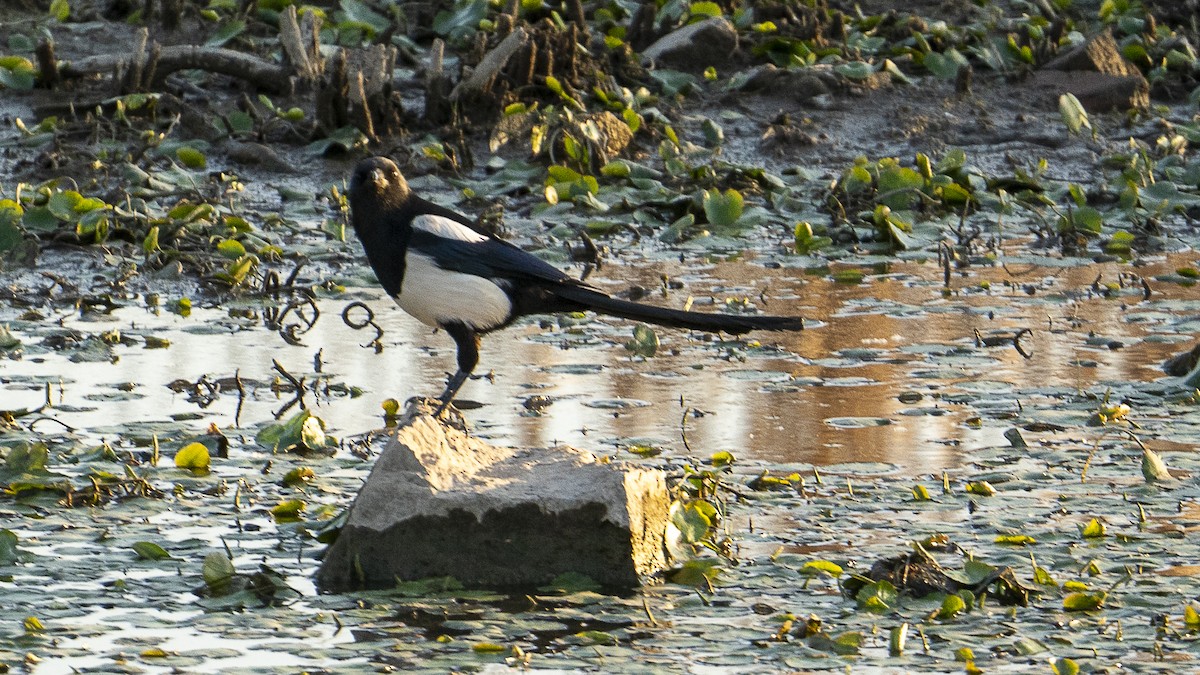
<point x="491" y="65"/>
<point x="375" y="343"/>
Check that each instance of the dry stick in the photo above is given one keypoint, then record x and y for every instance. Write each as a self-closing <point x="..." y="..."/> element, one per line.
<point x="47" y="64"/>
<point x="295" y="50"/>
<point x="491" y="65"/>
<point x="263" y="74"/>
<point x="1096" y="447"/>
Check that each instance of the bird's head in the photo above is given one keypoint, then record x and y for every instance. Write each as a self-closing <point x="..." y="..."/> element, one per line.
<point x="377" y="186"/>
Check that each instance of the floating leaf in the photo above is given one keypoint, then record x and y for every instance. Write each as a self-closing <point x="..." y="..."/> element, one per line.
<point x="193" y="456"/>
<point x="981" y="488"/>
<point x="218" y="572"/>
<point x="722" y="458"/>
<point x="1093" y="530"/>
<point x="1084" y="602"/>
<point x="488" y="648"/>
<point x="951" y="607"/>
<point x="191" y="157"/>
<point x="817" y="567"/>
<point x="644" y="342"/>
<point x="897" y="637"/>
<point x="298" y="476"/>
<point x="1064" y="666"/>
<point x="1073" y="114"/>
<point x="8" y="547"/>
<point x="723" y="209"/>
<point x="60" y="10"/>
<point x="33" y="625"/>
<point x="148" y="550"/>
<point x="877" y="597"/>
<point x="288" y="511"/>
<point x="1153" y="467"/>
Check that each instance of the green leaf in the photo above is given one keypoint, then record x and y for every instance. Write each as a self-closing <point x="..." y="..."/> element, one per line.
<point x="11" y="235"/>
<point x="1073" y="114"/>
<point x="704" y="8"/>
<point x="818" y="567"/>
<point x="291" y="436"/>
<point x="1153" y="468"/>
<point x="877" y="597"/>
<point x="806" y="241"/>
<point x="60" y="10"/>
<point x="952" y="606"/>
<point x="714" y="135"/>
<point x="723" y="210"/>
<point x="218" y="572"/>
<point x="854" y="70"/>
<point x="898" y="186"/>
<point x="981" y="488"/>
<point x="193" y="456"/>
<point x="9" y="553"/>
<point x="920" y="493"/>
<point x="1093" y="530"/>
<point x="722" y="458"/>
<point x="191" y="157"/>
<point x="698" y="572"/>
<point x="299" y="476"/>
<point x="148" y="550"/>
<point x="288" y="511"/>
<point x="150" y="243"/>
<point x="1016" y="539"/>
<point x="692" y="519"/>
<point x="1064" y="666"/>
<point x="488" y="648"/>
<point x="459" y="24"/>
<point x="644" y="342"/>
<point x="360" y="13"/>
<point x="231" y="248"/>
<point x="226" y="32"/>
<point x="1084" y="602"/>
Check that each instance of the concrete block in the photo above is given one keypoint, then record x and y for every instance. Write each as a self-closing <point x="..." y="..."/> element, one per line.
<point x="442" y="503"/>
<point x="695" y="46"/>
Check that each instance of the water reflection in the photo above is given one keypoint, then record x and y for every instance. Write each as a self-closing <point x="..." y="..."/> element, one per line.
<point x="890" y="373"/>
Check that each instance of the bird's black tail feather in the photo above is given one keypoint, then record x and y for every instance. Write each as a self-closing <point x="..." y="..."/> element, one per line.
<point x="734" y="324"/>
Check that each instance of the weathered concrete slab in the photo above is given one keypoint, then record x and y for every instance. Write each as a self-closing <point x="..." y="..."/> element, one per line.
<point x="1098" y="75"/>
<point x="441" y="503"/>
<point x="696" y="46"/>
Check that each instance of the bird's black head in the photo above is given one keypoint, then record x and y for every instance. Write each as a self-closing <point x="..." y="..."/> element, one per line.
<point x="376" y="187"/>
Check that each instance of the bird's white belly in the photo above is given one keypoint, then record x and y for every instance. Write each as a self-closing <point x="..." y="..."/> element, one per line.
<point x="435" y="296"/>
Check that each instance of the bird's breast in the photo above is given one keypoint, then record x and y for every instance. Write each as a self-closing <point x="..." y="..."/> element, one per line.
<point x="436" y="296"/>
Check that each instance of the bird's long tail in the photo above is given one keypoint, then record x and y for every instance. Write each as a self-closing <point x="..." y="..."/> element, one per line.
<point x="734" y="324"/>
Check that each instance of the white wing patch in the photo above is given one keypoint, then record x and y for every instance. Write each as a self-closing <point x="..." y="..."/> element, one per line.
<point x="435" y="296"/>
<point x="444" y="227"/>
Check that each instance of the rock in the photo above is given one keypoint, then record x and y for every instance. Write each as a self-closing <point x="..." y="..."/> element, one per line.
<point x="610" y="133"/>
<point x="696" y="46"/>
<point x="1098" y="75"/>
<point x="441" y="503"/>
<point x="1099" y="54"/>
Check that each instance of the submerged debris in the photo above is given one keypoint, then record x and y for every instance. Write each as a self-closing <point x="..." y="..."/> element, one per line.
<point x="919" y="574"/>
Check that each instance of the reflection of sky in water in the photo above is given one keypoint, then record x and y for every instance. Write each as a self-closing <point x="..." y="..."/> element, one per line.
<point x="822" y="398"/>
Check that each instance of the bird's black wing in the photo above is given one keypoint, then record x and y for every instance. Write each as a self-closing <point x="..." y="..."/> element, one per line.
<point x="453" y="247"/>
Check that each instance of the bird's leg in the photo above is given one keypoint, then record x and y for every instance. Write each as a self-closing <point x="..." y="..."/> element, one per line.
<point x="468" y="357"/>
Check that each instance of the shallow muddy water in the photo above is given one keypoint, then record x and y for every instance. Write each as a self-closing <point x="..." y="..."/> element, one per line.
<point x="890" y="370"/>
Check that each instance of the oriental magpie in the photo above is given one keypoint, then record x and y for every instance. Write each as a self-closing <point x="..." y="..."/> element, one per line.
<point x="446" y="272"/>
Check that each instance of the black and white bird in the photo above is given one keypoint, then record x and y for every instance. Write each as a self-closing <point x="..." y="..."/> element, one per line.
<point x="447" y="273"/>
